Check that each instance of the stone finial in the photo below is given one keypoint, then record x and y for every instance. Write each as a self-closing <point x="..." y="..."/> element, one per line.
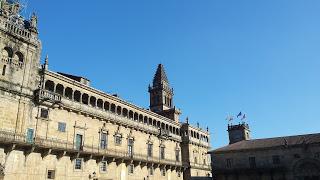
<point x="207" y="128"/>
<point x="46" y="62"/>
<point x="187" y="120"/>
<point x="198" y="125"/>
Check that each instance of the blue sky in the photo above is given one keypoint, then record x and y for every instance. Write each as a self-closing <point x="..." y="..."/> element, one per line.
<point x="221" y="56"/>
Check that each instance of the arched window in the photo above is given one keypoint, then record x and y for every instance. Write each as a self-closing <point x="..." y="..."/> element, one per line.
<point x="68" y="93"/>
<point x="113" y="108"/>
<point x="106" y="106"/>
<point x="85" y="98"/>
<point x="136" y="116"/>
<point x="100" y="103"/>
<point x="7" y="53"/>
<point x="77" y="96"/>
<point x="49" y="85"/>
<point x="125" y="112"/>
<point x="18" y="56"/>
<point x="141" y="118"/>
<point x="93" y="101"/>
<point x="145" y="120"/>
<point x="59" y="89"/>
<point x="130" y="114"/>
<point x="119" y="110"/>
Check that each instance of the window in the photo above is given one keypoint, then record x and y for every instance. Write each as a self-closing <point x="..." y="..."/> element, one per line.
<point x="177" y="155"/>
<point x="252" y="162"/>
<point x="163" y="172"/>
<point x="118" y="139"/>
<point x="131" y="169"/>
<point x="4" y="70"/>
<point x="103" y="141"/>
<point x="51" y="174"/>
<point x="162" y="152"/>
<point x="78" y="164"/>
<point x="78" y="142"/>
<point x="229" y="163"/>
<point x="130" y="147"/>
<point x="103" y="166"/>
<point x="44" y="113"/>
<point x="151" y="171"/>
<point x="150" y="149"/>
<point x="61" y="127"/>
<point x="276" y="159"/>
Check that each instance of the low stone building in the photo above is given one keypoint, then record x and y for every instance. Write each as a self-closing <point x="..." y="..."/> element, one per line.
<point x="56" y="126"/>
<point x="280" y="158"/>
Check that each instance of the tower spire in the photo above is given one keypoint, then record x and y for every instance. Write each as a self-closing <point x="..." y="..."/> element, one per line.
<point x="160" y="77"/>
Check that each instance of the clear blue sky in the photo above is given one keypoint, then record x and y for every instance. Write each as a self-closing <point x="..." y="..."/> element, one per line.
<point x="221" y="57"/>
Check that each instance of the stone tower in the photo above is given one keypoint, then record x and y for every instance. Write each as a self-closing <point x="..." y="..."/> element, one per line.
<point x="161" y="95"/>
<point x="20" y="48"/>
<point x="238" y="132"/>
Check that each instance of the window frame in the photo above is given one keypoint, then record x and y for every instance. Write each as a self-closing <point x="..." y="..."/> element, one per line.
<point x="103" y="167"/>
<point x="52" y="174"/>
<point x="63" y="125"/>
<point x="76" y="166"/>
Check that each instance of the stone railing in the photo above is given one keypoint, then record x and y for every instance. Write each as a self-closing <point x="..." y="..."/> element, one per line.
<point x="7" y="137"/>
<point x="12" y="62"/>
<point x="200" y="166"/>
<point x="48" y="95"/>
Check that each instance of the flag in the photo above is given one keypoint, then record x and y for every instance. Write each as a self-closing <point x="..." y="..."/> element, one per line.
<point x="229" y="118"/>
<point x="240" y="114"/>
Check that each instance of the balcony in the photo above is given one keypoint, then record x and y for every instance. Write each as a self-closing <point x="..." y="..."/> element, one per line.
<point x="45" y="95"/>
<point x="200" y="166"/>
<point x="11" y="141"/>
<point x="12" y="62"/>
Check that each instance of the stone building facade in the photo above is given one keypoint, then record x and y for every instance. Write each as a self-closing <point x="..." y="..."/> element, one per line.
<point x="56" y="126"/>
<point x="280" y="158"/>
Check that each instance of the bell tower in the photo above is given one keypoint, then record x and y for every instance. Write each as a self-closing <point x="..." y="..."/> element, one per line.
<point x="160" y="92"/>
<point x="238" y="132"/>
<point x="20" y="48"/>
<point x="161" y="95"/>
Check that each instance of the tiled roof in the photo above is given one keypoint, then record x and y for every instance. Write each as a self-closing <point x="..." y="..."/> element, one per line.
<point x="271" y="142"/>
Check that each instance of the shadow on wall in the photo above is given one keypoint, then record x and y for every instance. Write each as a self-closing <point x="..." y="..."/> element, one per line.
<point x="201" y="178"/>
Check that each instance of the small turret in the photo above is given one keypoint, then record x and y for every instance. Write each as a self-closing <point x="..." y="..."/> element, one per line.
<point x="238" y="132"/>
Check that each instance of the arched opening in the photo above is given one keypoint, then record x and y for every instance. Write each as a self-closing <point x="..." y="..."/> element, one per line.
<point x="162" y="126"/>
<point x="158" y="124"/>
<point x="59" y="89"/>
<point x="113" y="108"/>
<point x="106" y="106"/>
<point x="130" y="114"/>
<point x="145" y="120"/>
<point x="93" y="101"/>
<point x="77" y="96"/>
<point x="100" y="103"/>
<point x="7" y="53"/>
<point x="68" y="93"/>
<point x="141" y="118"/>
<point x="125" y="112"/>
<point x="150" y="122"/>
<point x="136" y="116"/>
<point x="85" y="98"/>
<point x="154" y="123"/>
<point x="167" y="127"/>
<point x="49" y="85"/>
<point x="170" y="129"/>
<point x="18" y="56"/>
<point x="119" y="110"/>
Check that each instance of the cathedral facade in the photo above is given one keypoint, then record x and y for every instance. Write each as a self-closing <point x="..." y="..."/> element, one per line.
<point x="56" y="126"/>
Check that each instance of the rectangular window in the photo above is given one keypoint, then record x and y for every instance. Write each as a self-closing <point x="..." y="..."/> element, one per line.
<point x="177" y="155"/>
<point x="150" y="149"/>
<point x="163" y="172"/>
<point x="103" y="141"/>
<point x="229" y="163"/>
<point x="131" y="169"/>
<point x="252" y="162"/>
<point x="103" y="166"/>
<point x="44" y="113"/>
<point x="4" y="70"/>
<point x="61" y="127"/>
<point x="30" y="135"/>
<point x="79" y="142"/>
<point x="78" y="164"/>
<point x="130" y="147"/>
<point x="117" y="139"/>
<point x="162" y="152"/>
<point x="151" y="171"/>
<point x="51" y="174"/>
<point x="276" y="159"/>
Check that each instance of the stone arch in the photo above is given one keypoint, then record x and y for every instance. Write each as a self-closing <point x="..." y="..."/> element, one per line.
<point x="141" y="118"/>
<point x="59" y="89"/>
<point x="85" y="98"/>
<point x="130" y="114"/>
<point x="119" y="109"/>
<point x="106" y="106"/>
<point x="68" y="93"/>
<point x="93" y="101"/>
<point x="145" y="120"/>
<point x="7" y="52"/>
<point x="100" y="103"/>
<point x="125" y="112"/>
<point x="113" y="108"/>
<point x="77" y="96"/>
<point x="135" y="116"/>
<point x="49" y="85"/>
<point x="18" y="56"/>
<point x="306" y="168"/>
